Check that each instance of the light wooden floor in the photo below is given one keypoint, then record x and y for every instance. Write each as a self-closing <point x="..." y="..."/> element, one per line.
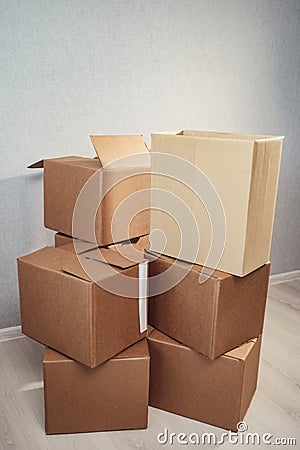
<point x="275" y="408"/>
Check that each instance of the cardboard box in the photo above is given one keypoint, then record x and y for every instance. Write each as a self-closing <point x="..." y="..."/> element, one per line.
<point x="113" y="396"/>
<point x="62" y="307"/>
<point x="219" y="314"/>
<point x="217" y="392"/>
<point x="65" y="178"/>
<point x="244" y="170"/>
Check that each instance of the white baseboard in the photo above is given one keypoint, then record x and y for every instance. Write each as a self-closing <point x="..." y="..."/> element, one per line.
<point x="6" y="334"/>
<point x="286" y="276"/>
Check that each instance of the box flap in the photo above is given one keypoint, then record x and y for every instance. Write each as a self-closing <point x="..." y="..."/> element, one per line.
<point x="139" y="350"/>
<point x="91" y="270"/>
<point x="122" y="257"/>
<point x="37" y="165"/>
<point x="74" y="268"/>
<point x="51" y="355"/>
<point x="243" y="350"/>
<point x="111" y="148"/>
<point x="156" y="336"/>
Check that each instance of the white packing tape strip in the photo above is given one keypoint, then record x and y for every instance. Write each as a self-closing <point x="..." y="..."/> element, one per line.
<point x="143" y="295"/>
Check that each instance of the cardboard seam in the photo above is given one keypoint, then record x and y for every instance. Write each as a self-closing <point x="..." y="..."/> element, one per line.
<point x="276" y="190"/>
<point x="171" y="344"/>
<point x="61" y="161"/>
<point x="263" y="183"/>
<point x="113" y="264"/>
<point x="142" y="358"/>
<point x="253" y="340"/>
<point x="215" y="314"/>
<point x="92" y="328"/>
<point x="72" y="275"/>
<point x="45" y="395"/>
<point x="58" y="271"/>
<point x="182" y="346"/>
<point x="113" y="358"/>
<point x="250" y="206"/>
<point x="267" y="157"/>
<point x="192" y="269"/>
<point x="241" y="390"/>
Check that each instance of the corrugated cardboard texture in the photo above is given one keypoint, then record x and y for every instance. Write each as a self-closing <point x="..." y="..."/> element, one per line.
<point x="244" y="170"/>
<point x="64" y="179"/>
<point x="113" y="396"/>
<point x="63" y="309"/>
<point x="186" y="383"/>
<point x="219" y="314"/>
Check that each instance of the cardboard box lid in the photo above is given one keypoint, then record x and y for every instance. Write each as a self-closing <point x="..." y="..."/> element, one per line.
<point x="111" y="148"/>
<point x="139" y="350"/>
<point x="240" y="353"/>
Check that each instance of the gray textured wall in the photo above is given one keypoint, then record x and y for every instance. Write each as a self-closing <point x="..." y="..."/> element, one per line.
<point x="71" y="67"/>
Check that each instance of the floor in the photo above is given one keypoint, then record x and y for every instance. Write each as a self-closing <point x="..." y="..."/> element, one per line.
<point x="275" y="408"/>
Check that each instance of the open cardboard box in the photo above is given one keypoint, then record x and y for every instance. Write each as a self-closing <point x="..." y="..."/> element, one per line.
<point x="113" y="396"/>
<point x="243" y="171"/>
<point x="119" y="177"/>
<point x="80" y="305"/>
<point x="217" y="392"/>
<point x="211" y="317"/>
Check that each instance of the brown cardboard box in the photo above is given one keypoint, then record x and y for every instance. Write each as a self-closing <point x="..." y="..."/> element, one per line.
<point x="212" y="317"/>
<point x="64" y="179"/>
<point x="186" y="383"/>
<point x="63" y="308"/>
<point x="113" y="396"/>
<point x="244" y="170"/>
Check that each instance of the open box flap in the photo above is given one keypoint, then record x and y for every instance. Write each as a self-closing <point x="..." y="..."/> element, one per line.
<point x="37" y="165"/>
<point x="110" y="150"/>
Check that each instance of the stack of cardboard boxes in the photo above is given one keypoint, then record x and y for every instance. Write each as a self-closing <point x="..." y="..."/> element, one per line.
<point x="96" y="363"/>
<point x="204" y="337"/>
<point x="205" y="350"/>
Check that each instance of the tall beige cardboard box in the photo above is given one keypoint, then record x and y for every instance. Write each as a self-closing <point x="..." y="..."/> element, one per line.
<point x="244" y="171"/>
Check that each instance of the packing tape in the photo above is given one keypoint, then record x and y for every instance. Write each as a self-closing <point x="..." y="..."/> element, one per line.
<point x="143" y="295"/>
